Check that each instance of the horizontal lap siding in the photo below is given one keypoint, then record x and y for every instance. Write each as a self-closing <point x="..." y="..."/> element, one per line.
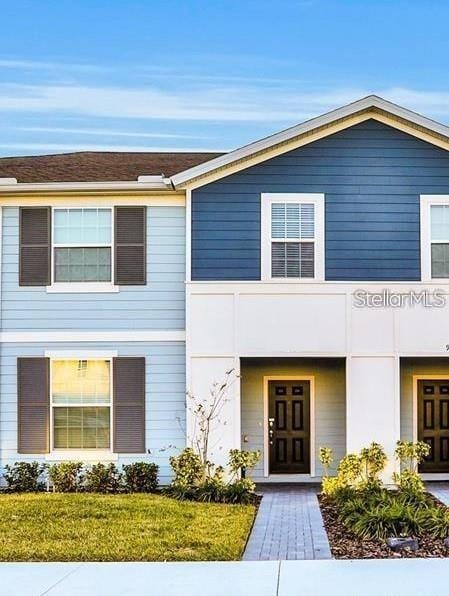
<point x="157" y="305"/>
<point x="371" y="175"/>
<point x="165" y="397"/>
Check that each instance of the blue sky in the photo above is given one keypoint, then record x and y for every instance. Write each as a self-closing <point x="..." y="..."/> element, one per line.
<point x="207" y="75"/>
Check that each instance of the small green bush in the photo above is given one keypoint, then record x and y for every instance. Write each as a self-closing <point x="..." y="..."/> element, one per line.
<point x="241" y="491"/>
<point x="189" y="473"/>
<point x="140" y="477"/>
<point x="25" y="476"/>
<point x="241" y="462"/>
<point x="101" y="478"/>
<point x="410" y="455"/>
<point x="66" y="477"/>
<point x="212" y="489"/>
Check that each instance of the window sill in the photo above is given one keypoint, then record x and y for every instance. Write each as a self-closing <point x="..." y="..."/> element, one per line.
<point x="83" y="288"/>
<point x="94" y="456"/>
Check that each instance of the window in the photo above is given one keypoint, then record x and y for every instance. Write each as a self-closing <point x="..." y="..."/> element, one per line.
<point x="434" y="237"/>
<point x="82" y="245"/>
<point x="439" y="238"/>
<point x="81" y="404"/>
<point x="292" y="236"/>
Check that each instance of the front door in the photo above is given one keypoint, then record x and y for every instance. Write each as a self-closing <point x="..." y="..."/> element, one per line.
<point x="289" y="427"/>
<point x="433" y="424"/>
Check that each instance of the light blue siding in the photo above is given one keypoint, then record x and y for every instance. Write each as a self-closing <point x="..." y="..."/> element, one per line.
<point x="371" y="175"/>
<point x="159" y="305"/>
<point x="165" y="397"/>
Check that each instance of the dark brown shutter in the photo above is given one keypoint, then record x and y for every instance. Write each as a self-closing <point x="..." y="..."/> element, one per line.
<point x="33" y="404"/>
<point x="130" y="246"/>
<point x="35" y="246"/>
<point x="129" y="405"/>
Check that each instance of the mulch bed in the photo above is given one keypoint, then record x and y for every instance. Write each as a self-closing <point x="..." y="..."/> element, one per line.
<point x="345" y="545"/>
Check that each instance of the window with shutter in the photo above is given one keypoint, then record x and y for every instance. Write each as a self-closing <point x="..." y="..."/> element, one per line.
<point x="292" y="236"/>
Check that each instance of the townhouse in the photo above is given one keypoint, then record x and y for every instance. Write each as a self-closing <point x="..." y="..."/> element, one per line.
<point x="314" y="263"/>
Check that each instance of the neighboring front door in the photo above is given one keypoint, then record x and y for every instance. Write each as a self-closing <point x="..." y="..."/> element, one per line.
<point x="433" y="424"/>
<point x="289" y="427"/>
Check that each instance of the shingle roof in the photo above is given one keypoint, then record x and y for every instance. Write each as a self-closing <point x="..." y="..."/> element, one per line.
<point x="90" y="166"/>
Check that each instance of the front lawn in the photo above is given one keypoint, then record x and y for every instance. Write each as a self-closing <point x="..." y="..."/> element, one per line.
<point x="93" y="527"/>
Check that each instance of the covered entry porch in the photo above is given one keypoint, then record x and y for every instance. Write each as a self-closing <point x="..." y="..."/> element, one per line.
<point x="290" y="407"/>
<point x="425" y="411"/>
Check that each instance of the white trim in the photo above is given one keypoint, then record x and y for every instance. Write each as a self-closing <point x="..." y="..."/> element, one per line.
<point x="366" y="103"/>
<point x="173" y="199"/>
<point x="81" y="355"/>
<point x="316" y="199"/>
<point x="91" y="336"/>
<point x="266" y="445"/>
<point x="157" y="183"/>
<point x="188" y="242"/>
<point x="426" y="202"/>
<point x="90" y="456"/>
<point x="84" y="287"/>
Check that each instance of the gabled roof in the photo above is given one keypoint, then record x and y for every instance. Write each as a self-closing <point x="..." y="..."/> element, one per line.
<point x="101" y="166"/>
<point x="371" y="106"/>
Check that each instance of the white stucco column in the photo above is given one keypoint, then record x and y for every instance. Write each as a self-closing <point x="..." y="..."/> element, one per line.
<point x="204" y="374"/>
<point x="373" y="405"/>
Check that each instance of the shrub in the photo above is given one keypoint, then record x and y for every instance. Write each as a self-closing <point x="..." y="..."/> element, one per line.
<point x="240" y="462"/>
<point x="189" y="473"/>
<point x="382" y="521"/>
<point x="140" y="477"/>
<point x="241" y="491"/>
<point x="212" y="489"/>
<point x="435" y="521"/>
<point x="410" y="455"/>
<point x="101" y="478"/>
<point x="326" y="456"/>
<point x="373" y="461"/>
<point x="25" y="476"/>
<point x="66" y="477"/>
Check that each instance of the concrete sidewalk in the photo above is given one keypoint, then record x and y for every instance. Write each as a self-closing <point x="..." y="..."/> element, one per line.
<point x="404" y="577"/>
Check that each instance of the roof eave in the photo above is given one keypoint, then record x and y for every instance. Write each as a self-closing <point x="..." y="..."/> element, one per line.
<point x="371" y="102"/>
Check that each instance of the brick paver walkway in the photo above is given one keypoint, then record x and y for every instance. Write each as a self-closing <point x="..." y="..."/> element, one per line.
<point x="288" y="526"/>
<point x="440" y="490"/>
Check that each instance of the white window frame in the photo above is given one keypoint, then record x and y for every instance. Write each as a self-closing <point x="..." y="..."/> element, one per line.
<point x="316" y="199"/>
<point x="84" y="286"/>
<point x="426" y="202"/>
<point x="70" y="453"/>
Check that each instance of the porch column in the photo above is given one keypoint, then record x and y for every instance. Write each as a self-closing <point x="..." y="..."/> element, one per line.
<point x="202" y="374"/>
<point x="373" y="405"/>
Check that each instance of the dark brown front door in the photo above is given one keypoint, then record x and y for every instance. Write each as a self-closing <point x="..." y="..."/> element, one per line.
<point x="433" y="424"/>
<point x="289" y="427"/>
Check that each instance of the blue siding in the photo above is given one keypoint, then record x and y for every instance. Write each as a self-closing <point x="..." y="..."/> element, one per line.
<point x="372" y="176"/>
<point x="157" y="306"/>
<point x="165" y="397"/>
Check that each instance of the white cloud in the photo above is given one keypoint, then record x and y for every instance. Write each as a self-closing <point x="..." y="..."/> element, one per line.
<point x="217" y="103"/>
<point x="69" y="147"/>
<point x="40" y="65"/>
<point x="102" y="132"/>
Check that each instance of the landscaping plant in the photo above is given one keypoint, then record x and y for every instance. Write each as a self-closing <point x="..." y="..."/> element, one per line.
<point x="373" y="512"/>
<point x="101" y="478"/>
<point x="25" y="476"/>
<point x="140" y="477"/>
<point x="66" y="477"/>
<point x="410" y="455"/>
<point x="196" y="477"/>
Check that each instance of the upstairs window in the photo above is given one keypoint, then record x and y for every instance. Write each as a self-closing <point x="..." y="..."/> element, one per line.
<point x="439" y="241"/>
<point x="82" y="245"/>
<point x="292" y="236"/>
<point x="434" y="226"/>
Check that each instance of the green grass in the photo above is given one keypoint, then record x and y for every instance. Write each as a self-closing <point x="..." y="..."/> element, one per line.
<point x="91" y="527"/>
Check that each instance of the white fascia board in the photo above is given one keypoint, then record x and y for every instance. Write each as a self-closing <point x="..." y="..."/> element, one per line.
<point x="366" y="103"/>
<point x="159" y="184"/>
